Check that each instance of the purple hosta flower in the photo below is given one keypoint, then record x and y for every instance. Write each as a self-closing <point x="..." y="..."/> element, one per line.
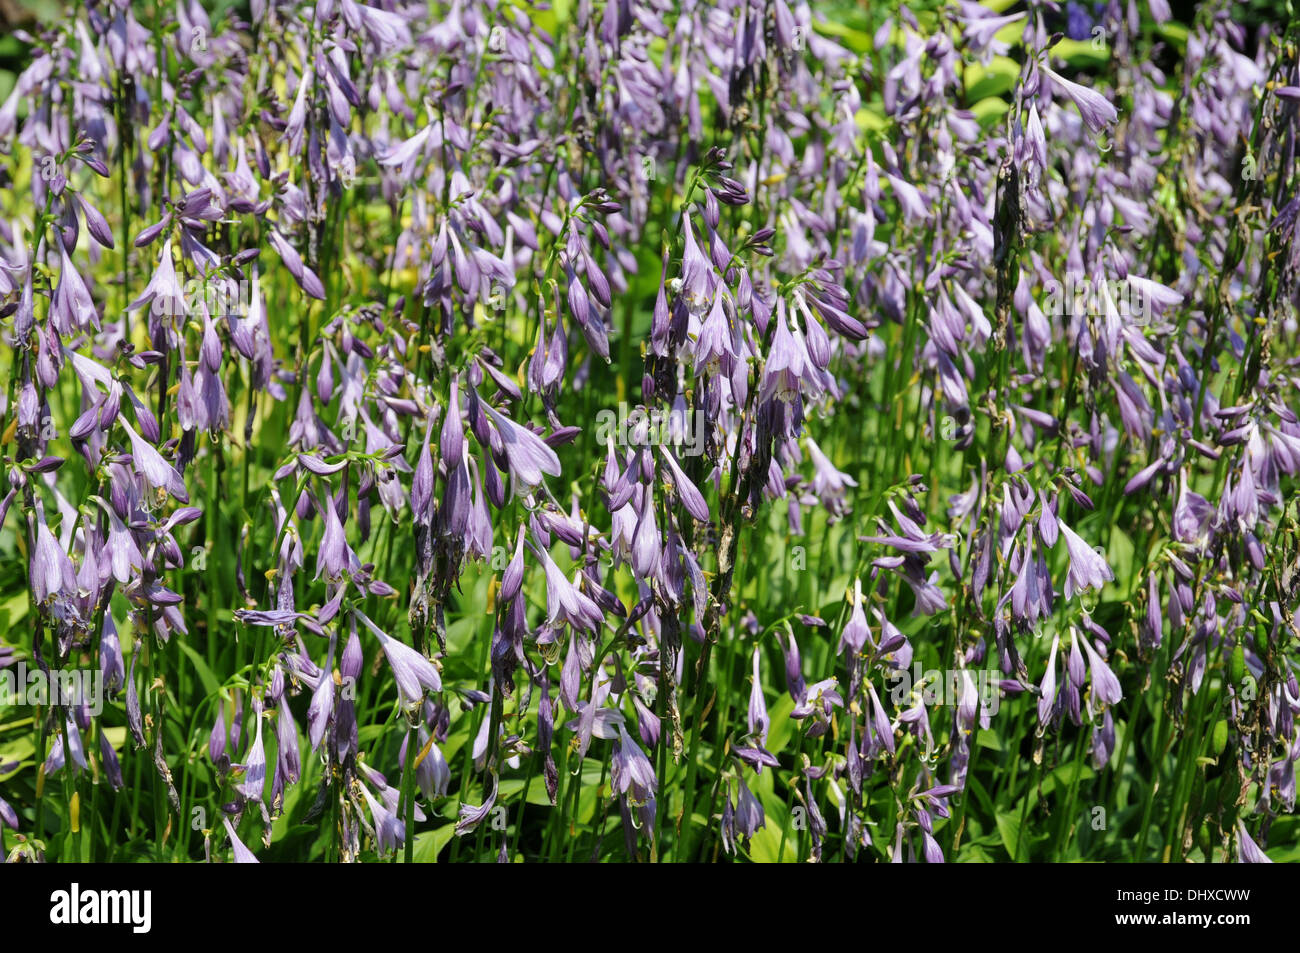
<point x="1035" y="143"/>
<point x="255" y="762"/>
<point x="788" y="370"/>
<point x="699" y="280"/>
<point x="157" y="472"/>
<point x="478" y="527"/>
<point x="1281" y="775"/>
<point x="389" y="796"/>
<point x="1031" y="594"/>
<point x="1088" y="568"/>
<point x="345" y="717"/>
<point x="1047" y="689"/>
<point x="857" y="632"/>
<point x="112" y="768"/>
<point x="1248" y="852"/>
<point x="335" y="557"/>
<point x="565" y="601"/>
<point x="111" y="663"/>
<point x="794" y="680"/>
<point x="164" y="292"/>
<point x="389" y="829"/>
<point x="1152" y="629"/>
<point x="714" y="349"/>
<point x="1241" y="503"/>
<point x="56" y="758"/>
<point x="8" y="816"/>
<point x="134" y="719"/>
<point x="646" y="540"/>
<point x="911" y="538"/>
<point x="631" y="770"/>
<point x="1049" y="527"/>
<point x="413" y="672"/>
<point x="915" y="719"/>
<point x="123" y="554"/>
<point x="290" y="758"/>
<point x="818" y="700"/>
<point x="51" y="572"/>
<point x="1097" y="113"/>
<point x="432" y="772"/>
<point x="242" y="854"/>
<point x="512" y="578"/>
<point x="910" y="199"/>
<point x="304" y="276"/>
<point x="931" y="850"/>
<point x="470" y="816"/>
<point x="829" y="484"/>
<point x="458" y="497"/>
<point x="758" y="719"/>
<point x="405" y="152"/>
<point x="217" y="740"/>
<point x="527" y="455"/>
<point x="979" y="31"/>
<point x="321" y="709"/>
<point x="1017" y="501"/>
<point x="595" y="720"/>
<point x="743" y="817"/>
<point x="451" y="439"/>
<point x="71" y="308"/>
<point x="1105" y="686"/>
<point x="1103" y="741"/>
<point x="96" y="224"/>
<point x="1192" y="515"/>
<point x="423" y="481"/>
<point x="880" y="719"/>
<point x="691" y="498"/>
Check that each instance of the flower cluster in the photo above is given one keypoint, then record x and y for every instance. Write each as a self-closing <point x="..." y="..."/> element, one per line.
<point x="350" y="514"/>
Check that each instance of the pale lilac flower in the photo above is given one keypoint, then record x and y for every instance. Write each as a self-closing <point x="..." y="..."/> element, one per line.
<point x="1088" y="568"/>
<point x="529" y="458"/>
<point x="242" y="854"/>
<point x="412" y="671"/>
<point x="1096" y="111"/>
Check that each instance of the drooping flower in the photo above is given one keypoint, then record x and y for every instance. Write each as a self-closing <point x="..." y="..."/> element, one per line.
<point x="242" y="854"/>
<point x="412" y="671"/>
<point x="529" y="458"/>
<point x="158" y="473"/>
<point x="1088" y="568"/>
<point x="565" y="602"/>
<point x="1095" y="110"/>
<point x="1248" y="852"/>
<point x="255" y="761"/>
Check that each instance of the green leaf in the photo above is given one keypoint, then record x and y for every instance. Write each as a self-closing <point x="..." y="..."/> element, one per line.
<point x="1009" y="828"/>
<point x="430" y="844"/>
<point x="210" y="683"/>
